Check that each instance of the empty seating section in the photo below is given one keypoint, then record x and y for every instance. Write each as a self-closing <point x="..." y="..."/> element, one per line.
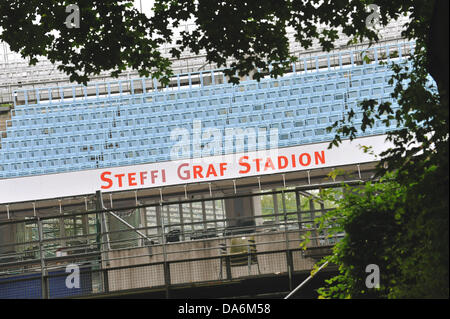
<point x="76" y="134"/>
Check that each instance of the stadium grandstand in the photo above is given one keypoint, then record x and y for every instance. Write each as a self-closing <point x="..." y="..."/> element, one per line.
<point x="197" y="188"/>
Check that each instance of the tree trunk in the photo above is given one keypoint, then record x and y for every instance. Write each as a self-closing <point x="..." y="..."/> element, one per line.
<point x="437" y="51"/>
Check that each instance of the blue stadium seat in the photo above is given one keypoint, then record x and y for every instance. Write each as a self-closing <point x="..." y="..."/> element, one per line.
<point x="106" y="131"/>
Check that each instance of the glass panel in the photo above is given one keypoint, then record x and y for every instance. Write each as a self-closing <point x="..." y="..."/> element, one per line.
<point x="210" y="214"/>
<point x="187" y="218"/>
<point x="121" y="235"/>
<point x="151" y="221"/>
<point x="197" y="215"/>
<point x="267" y="209"/>
<point x="219" y="207"/>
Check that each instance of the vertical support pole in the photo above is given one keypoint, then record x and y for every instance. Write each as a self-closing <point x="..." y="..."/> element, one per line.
<point x="299" y="209"/>
<point x="44" y="286"/>
<point x="286" y="236"/>
<point x="105" y="280"/>
<point x="222" y="253"/>
<point x="313" y="216"/>
<point x="275" y="210"/>
<point x="98" y="207"/>
<point x="249" y="258"/>
<point x="62" y="228"/>
<point x="322" y="212"/>
<point x="290" y="265"/>
<point x="163" y="240"/>
<point x="205" y="227"/>
<point x="214" y="214"/>
<point x="180" y="209"/>
<point x="101" y="238"/>
<point x="228" y="267"/>
<point x="136" y="198"/>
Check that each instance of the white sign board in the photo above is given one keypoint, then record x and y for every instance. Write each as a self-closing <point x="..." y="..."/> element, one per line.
<point x="180" y="172"/>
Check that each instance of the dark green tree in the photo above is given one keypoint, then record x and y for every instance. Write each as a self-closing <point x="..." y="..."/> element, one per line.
<point x="114" y="36"/>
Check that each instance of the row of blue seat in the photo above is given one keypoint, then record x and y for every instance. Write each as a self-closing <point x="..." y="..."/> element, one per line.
<point x="154" y="109"/>
<point x="316" y="84"/>
<point x="85" y="145"/>
<point x="121" y="130"/>
<point x="136" y="155"/>
<point x="136" y="115"/>
<point x="140" y="127"/>
<point x="209" y="100"/>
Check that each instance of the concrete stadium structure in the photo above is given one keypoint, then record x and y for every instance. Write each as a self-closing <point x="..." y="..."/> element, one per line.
<point x="190" y="189"/>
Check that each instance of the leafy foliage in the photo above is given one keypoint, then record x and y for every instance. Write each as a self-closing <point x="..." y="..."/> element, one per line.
<point x="113" y="35"/>
<point x="401" y="222"/>
<point x="383" y="225"/>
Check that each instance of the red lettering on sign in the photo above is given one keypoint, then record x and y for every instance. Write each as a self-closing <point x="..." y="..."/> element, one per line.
<point x="197" y="171"/>
<point x="153" y="175"/>
<point x="223" y="167"/>
<point x="143" y="177"/>
<point x="242" y="163"/>
<point x="268" y="164"/>
<point x="106" y="179"/>
<point x="132" y="179"/>
<point x="119" y="178"/>
<point x="285" y="164"/>
<point x="211" y="171"/>
<point x="308" y="159"/>
<point x="186" y="173"/>
<point x="257" y="160"/>
<point x="320" y="157"/>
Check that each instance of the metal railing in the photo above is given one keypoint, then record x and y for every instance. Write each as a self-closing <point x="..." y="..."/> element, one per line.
<point x="158" y="261"/>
